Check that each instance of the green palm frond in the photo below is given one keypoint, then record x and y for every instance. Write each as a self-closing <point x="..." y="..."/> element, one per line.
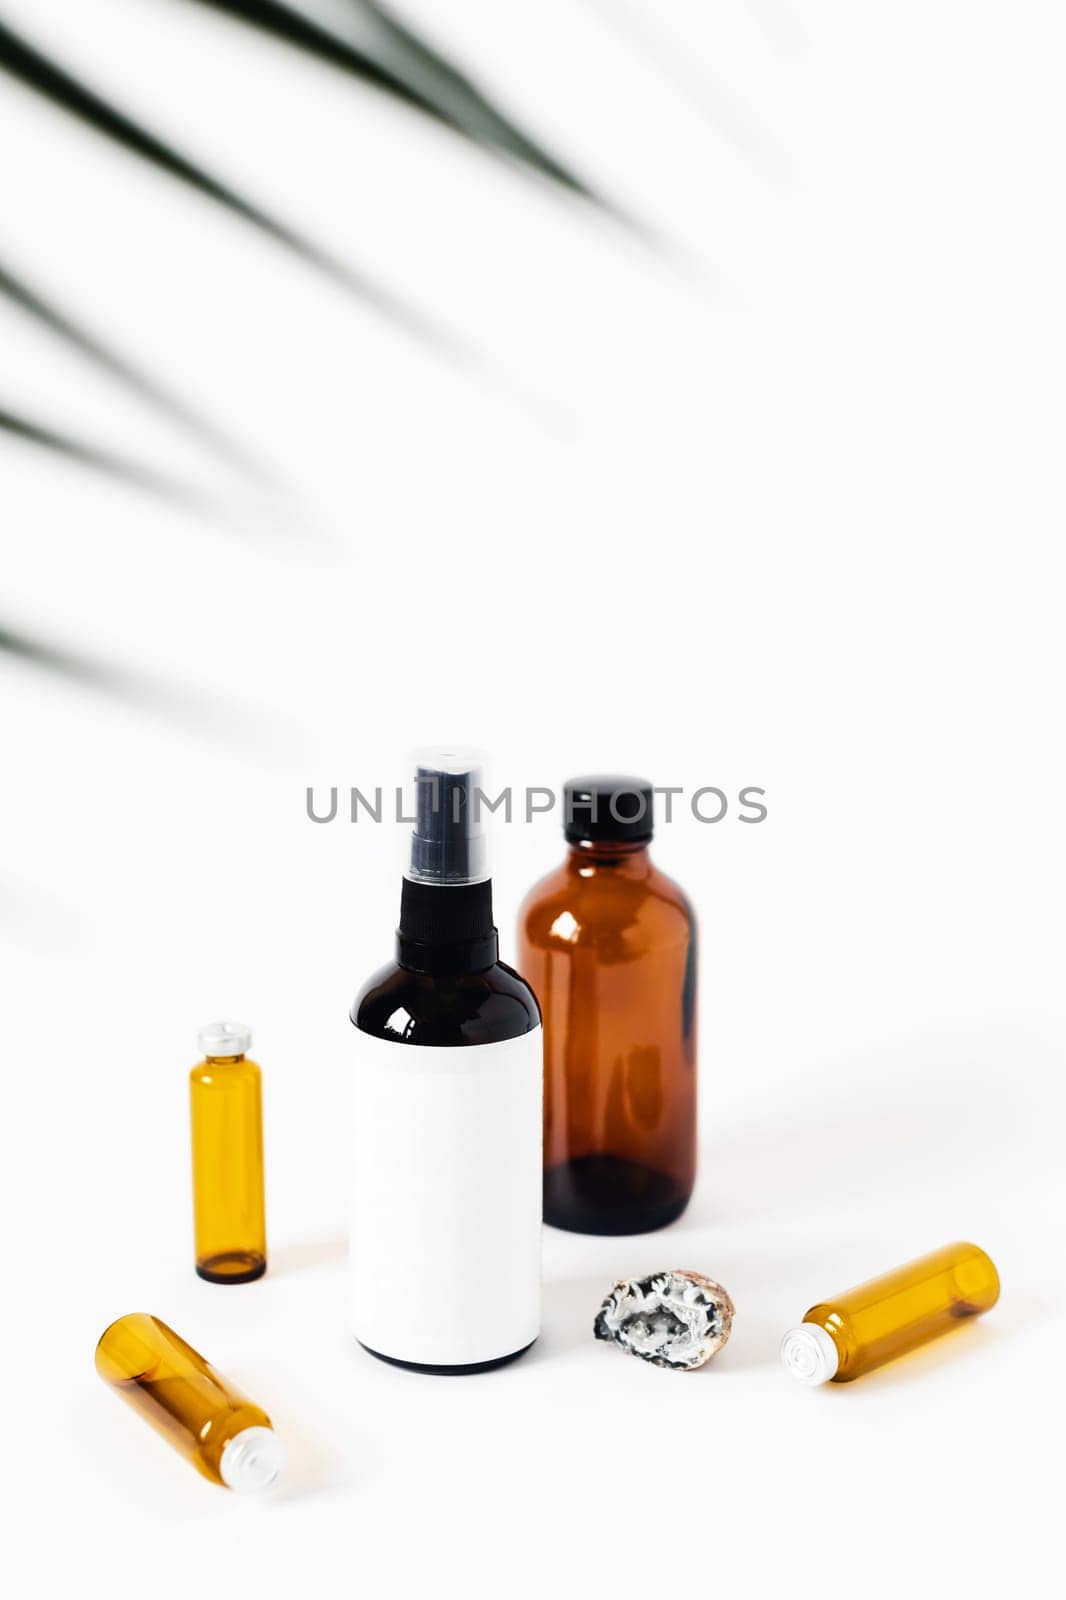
<point x="134" y="474"/>
<point x="371" y="46"/>
<point x="408" y="69"/>
<point x="53" y="659"/>
<point x="102" y="355"/>
<point x="39" y="72"/>
<point x="209" y="715"/>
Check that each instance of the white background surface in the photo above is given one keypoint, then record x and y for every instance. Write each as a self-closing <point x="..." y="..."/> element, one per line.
<point x="780" y="509"/>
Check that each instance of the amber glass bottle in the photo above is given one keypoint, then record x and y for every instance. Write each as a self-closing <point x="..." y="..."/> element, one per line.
<point x="227" y="1157"/>
<point x="608" y="943"/>
<point x="197" y="1410"/>
<point x="859" y="1330"/>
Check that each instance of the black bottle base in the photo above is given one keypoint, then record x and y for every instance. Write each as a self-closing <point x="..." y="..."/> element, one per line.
<point x="451" y="1372"/>
<point x="236" y="1266"/>
<point x="608" y="1195"/>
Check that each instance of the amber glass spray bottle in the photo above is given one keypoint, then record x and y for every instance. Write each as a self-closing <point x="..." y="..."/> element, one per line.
<point x="227" y="1157"/>
<point x="609" y="944"/>
<point x="447" y="1067"/>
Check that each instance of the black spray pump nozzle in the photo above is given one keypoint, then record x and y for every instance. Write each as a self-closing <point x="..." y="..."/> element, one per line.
<point x="448" y="845"/>
<point x="447" y="933"/>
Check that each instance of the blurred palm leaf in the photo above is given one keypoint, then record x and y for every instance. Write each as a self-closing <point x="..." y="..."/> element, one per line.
<point x="133" y="474"/>
<point x="372" y="47"/>
<point x="79" y="668"/>
<point x="404" y="67"/>
<point x="95" y="350"/>
<point x="207" y="714"/>
<point x="39" y="72"/>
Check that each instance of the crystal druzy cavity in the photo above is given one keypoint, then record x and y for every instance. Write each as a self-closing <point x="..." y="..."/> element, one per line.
<point x="673" y="1319"/>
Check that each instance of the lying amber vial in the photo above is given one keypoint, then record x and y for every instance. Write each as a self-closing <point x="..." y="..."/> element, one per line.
<point x="197" y="1410"/>
<point x="853" y="1333"/>
<point x="225" y="1104"/>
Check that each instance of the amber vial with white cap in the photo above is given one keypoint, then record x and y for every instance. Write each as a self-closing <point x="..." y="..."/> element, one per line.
<point x="225" y="1104"/>
<point x="855" y="1332"/>
<point x="197" y="1410"/>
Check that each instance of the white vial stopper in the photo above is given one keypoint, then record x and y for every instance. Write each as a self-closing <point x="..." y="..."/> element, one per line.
<point x="252" y="1460"/>
<point x="809" y="1354"/>
<point x="225" y="1039"/>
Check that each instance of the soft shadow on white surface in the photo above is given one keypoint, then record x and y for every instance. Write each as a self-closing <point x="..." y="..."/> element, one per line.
<point x="40" y="922"/>
<point x="850" y="1140"/>
<point x="754" y="1341"/>
<point x="309" y="1468"/>
<point x="569" y="1310"/>
<point x="307" y="1254"/>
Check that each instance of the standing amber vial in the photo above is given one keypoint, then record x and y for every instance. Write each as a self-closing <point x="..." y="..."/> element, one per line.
<point x="225" y="1100"/>
<point x="197" y="1410"/>
<point x="853" y="1333"/>
<point x="608" y="943"/>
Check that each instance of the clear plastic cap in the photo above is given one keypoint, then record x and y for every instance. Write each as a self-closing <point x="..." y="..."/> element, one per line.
<point x="252" y="1460"/>
<point x="224" y="1039"/>
<point x="449" y="844"/>
<point x="809" y="1354"/>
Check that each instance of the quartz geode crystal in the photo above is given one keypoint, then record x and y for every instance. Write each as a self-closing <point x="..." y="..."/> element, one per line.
<point x="673" y="1319"/>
